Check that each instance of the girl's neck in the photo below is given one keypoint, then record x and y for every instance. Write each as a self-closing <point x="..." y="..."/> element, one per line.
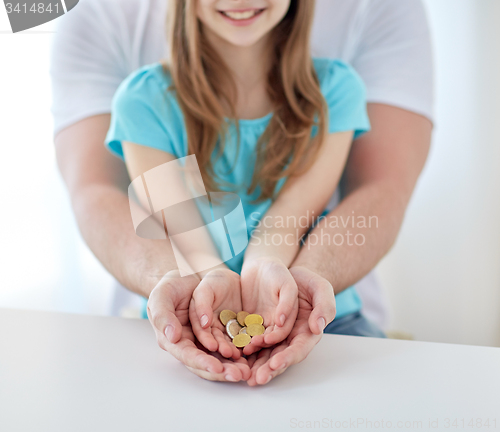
<point x="249" y="66"/>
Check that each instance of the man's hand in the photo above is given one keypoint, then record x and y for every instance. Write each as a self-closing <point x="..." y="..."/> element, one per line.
<point x="168" y="312"/>
<point x="218" y="290"/>
<point x="316" y="309"/>
<point x="268" y="289"/>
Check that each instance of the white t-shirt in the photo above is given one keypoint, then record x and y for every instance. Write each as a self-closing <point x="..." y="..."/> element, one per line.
<point x="100" y="42"/>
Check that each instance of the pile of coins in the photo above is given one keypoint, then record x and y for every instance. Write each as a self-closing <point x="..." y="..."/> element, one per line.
<point x="242" y="326"/>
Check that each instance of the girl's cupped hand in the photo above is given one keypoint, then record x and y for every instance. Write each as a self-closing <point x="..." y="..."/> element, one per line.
<point x="218" y="290"/>
<point x="269" y="289"/>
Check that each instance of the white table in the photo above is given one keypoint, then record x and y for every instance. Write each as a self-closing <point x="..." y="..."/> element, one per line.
<point x="69" y="373"/>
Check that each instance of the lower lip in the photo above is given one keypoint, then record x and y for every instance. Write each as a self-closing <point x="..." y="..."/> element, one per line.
<point x="242" y="22"/>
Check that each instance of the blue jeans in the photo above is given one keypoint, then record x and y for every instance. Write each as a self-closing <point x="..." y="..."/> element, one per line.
<point x="354" y="324"/>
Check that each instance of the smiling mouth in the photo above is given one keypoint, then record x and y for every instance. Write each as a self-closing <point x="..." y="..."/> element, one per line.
<point x="239" y="16"/>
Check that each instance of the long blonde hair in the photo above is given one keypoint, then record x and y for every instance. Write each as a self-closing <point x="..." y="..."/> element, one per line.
<point x="201" y="81"/>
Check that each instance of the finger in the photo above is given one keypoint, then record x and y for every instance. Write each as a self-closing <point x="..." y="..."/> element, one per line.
<point x="256" y="344"/>
<point x="232" y="371"/>
<point x="242" y="365"/>
<point x="226" y="376"/>
<point x="279" y="334"/>
<point x="298" y="349"/>
<point x="261" y="373"/>
<point x="204" y="297"/>
<point x="287" y="303"/>
<point x="193" y="357"/>
<point x="161" y="314"/>
<point x="225" y="348"/>
<point x="323" y="303"/>
<point x="204" y="335"/>
<point x="264" y="374"/>
<point x="251" y="360"/>
<point x="257" y="361"/>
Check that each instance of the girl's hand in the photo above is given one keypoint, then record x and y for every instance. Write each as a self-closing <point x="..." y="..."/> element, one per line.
<point x="268" y="289"/>
<point x="316" y="309"/>
<point x="218" y="290"/>
<point x="168" y="307"/>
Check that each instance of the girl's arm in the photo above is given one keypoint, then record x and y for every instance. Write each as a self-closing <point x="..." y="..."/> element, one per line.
<point x="140" y="159"/>
<point x="278" y="235"/>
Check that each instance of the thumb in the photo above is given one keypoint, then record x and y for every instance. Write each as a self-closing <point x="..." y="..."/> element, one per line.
<point x="203" y="299"/>
<point x="288" y="298"/>
<point x="161" y="314"/>
<point x="323" y="304"/>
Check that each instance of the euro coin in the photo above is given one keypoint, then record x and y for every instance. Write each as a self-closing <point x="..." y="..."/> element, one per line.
<point x="243" y="330"/>
<point x="253" y="319"/>
<point x="241" y="340"/>
<point x="241" y="317"/>
<point x="255" y="329"/>
<point x="232" y="328"/>
<point x="226" y="315"/>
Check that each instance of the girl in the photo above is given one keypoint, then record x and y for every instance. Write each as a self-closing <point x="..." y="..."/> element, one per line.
<point x="265" y="120"/>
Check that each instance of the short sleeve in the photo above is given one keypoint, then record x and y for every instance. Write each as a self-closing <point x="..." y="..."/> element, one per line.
<point x="345" y="95"/>
<point x="394" y="55"/>
<point x="87" y="63"/>
<point x="142" y="113"/>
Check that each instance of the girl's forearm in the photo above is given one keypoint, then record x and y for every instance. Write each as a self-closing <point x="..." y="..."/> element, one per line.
<point x="274" y="242"/>
<point x="279" y="232"/>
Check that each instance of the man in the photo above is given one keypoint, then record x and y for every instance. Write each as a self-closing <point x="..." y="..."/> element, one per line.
<point x="387" y="41"/>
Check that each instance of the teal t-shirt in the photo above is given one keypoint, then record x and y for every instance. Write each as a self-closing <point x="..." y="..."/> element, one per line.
<point x="145" y="113"/>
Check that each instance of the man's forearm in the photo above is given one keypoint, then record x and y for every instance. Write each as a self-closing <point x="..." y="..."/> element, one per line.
<point x="103" y="216"/>
<point x="351" y="239"/>
<point x="97" y="182"/>
<point x="381" y="173"/>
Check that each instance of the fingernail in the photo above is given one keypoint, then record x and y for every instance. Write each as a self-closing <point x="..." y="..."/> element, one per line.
<point x="210" y="371"/>
<point x="321" y="323"/>
<point x="204" y="320"/>
<point x="230" y="378"/>
<point x="282" y="320"/>
<point x="169" y="333"/>
<point x="283" y="366"/>
<point x="269" y="379"/>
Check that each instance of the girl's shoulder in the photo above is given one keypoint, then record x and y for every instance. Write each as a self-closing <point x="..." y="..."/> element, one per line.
<point x="148" y="87"/>
<point x="335" y="74"/>
<point x="146" y="79"/>
<point x="345" y="95"/>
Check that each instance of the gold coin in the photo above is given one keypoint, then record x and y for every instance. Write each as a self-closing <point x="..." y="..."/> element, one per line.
<point x="241" y="340"/>
<point x="226" y="315"/>
<point x="241" y="317"/>
<point x="253" y="319"/>
<point x="255" y="329"/>
<point x="243" y="330"/>
<point x="232" y="328"/>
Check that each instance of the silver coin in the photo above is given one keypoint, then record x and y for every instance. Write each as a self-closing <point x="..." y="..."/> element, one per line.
<point x="243" y="330"/>
<point x="232" y="328"/>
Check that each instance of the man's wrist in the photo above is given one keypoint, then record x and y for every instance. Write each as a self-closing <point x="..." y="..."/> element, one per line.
<point x="317" y="266"/>
<point x="146" y="278"/>
<point x="266" y="258"/>
<point x="202" y="274"/>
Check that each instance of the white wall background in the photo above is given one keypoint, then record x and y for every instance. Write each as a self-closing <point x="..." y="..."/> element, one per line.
<point x="443" y="275"/>
<point x="44" y="264"/>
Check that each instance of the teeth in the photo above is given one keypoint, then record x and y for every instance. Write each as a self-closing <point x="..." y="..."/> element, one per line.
<point x="240" y="15"/>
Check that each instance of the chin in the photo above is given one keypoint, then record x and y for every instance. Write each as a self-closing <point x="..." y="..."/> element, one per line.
<point x="242" y="41"/>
